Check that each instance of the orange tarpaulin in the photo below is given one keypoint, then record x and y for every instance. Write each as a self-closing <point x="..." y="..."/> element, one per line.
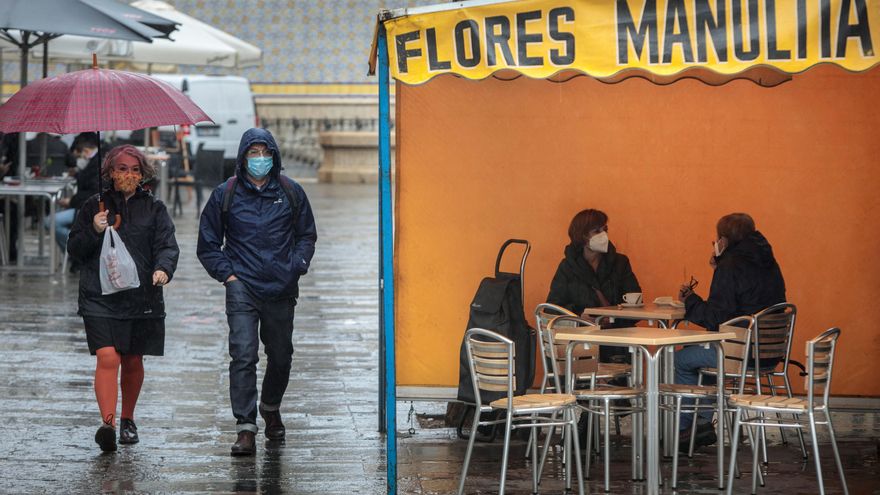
<point x="480" y="162"/>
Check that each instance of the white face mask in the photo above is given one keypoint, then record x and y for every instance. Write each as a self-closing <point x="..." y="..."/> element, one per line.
<point x="81" y="163"/>
<point x="599" y="242"/>
<point x="718" y="249"/>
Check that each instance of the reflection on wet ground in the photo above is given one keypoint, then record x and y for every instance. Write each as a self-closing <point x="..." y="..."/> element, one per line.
<point x="48" y="415"/>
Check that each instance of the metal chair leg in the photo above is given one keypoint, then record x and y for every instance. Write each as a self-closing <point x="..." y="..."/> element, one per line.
<point x="734" y="444"/>
<point x="607" y="454"/>
<point x="467" y="456"/>
<point x="534" y="449"/>
<point x="836" y="453"/>
<point x="507" y="430"/>
<point x="800" y="432"/>
<point x="546" y="446"/>
<point x="577" y="450"/>
<point x="815" y="440"/>
<point x="694" y="417"/>
<point x="675" y="442"/>
<point x="589" y="451"/>
<point x="756" y="454"/>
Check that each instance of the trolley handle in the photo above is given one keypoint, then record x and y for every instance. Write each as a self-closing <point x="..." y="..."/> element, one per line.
<point x="504" y="246"/>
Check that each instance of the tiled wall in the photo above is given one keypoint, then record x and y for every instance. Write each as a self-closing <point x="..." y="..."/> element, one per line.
<point x="304" y="42"/>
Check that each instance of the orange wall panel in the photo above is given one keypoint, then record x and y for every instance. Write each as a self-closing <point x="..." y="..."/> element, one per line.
<point x="480" y="162"/>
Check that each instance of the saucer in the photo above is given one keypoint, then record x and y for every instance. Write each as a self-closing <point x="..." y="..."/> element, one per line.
<point x="631" y="305"/>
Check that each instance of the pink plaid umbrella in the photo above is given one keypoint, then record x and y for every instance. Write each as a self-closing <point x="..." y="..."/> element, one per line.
<point x="95" y="100"/>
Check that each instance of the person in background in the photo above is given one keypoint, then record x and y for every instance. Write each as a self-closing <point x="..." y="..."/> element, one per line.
<point x="8" y="168"/>
<point x="593" y="274"/>
<point x="258" y="249"/>
<point x="746" y="280"/>
<point x="85" y="151"/>
<point x="123" y="327"/>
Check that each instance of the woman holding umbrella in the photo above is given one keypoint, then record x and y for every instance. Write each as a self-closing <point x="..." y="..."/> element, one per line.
<point x="123" y="327"/>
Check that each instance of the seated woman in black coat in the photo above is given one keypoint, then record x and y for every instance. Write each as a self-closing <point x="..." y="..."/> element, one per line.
<point x="593" y="274"/>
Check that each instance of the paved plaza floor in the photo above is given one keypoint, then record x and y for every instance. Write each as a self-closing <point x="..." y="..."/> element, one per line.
<point x="48" y="413"/>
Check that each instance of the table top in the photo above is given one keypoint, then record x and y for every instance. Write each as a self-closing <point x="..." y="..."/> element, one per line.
<point x="649" y="311"/>
<point x="641" y="336"/>
<point x="32" y="187"/>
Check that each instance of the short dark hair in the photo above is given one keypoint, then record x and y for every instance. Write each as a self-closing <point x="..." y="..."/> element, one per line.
<point x="735" y="227"/>
<point x="84" y="140"/>
<point x="583" y="223"/>
<point x="147" y="169"/>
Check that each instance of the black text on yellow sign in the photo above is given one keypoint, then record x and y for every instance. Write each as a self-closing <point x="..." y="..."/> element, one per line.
<point x="695" y="26"/>
<point x="603" y="37"/>
<point x="509" y="35"/>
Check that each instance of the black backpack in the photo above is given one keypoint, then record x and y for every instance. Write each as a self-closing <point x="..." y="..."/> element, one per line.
<point x="497" y="306"/>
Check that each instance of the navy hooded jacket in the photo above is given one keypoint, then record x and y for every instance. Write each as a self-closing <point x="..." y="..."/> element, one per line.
<point x="747" y="279"/>
<point x="265" y="247"/>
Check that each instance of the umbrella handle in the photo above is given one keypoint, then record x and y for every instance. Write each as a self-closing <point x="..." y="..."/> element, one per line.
<point x="117" y="218"/>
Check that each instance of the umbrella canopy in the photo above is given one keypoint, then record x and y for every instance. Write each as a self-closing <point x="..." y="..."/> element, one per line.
<point x="194" y="43"/>
<point x="97" y="100"/>
<point x="95" y="18"/>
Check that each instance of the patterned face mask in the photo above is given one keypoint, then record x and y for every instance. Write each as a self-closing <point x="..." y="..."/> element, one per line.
<point x="125" y="182"/>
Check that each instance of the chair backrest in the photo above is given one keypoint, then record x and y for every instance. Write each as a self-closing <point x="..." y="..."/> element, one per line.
<point x="209" y="167"/>
<point x="774" y="328"/>
<point x="585" y="357"/>
<point x="545" y="312"/>
<point x="820" y="360"/>
<point x="737" y="351"/>
<point x="491" y="359"/>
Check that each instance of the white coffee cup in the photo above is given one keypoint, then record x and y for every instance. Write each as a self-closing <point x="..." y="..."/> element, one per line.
<point x="632" y="298"/>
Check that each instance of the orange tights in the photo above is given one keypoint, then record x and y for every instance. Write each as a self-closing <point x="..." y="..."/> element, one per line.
<point x="106" y="373"/>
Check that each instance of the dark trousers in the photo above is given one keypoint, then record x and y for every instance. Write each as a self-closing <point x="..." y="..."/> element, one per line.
<point x="252" y="320"/>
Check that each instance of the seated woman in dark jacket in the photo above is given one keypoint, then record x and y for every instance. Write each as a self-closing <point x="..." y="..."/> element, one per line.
<point x="747" y="279"/>
<point x="123" y="327"/>
<point x="593" y="273"/>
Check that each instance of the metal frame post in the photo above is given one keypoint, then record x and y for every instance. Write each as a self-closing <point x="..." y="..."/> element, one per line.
<point x="386" y="266"/>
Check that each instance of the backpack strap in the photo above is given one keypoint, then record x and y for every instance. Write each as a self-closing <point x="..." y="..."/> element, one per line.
<point x="292" y="195"/>
<point x="228" y="193"/>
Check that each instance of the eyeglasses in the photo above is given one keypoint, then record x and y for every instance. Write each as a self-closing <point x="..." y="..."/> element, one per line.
<point x="255" y="153"/>
<point x="693" y="283"/>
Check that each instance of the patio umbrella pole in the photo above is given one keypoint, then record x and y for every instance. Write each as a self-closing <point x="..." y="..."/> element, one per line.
<point x="22" y="147"/>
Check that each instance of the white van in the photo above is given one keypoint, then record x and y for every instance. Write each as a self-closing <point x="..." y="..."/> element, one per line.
<point x="227" y="100"/>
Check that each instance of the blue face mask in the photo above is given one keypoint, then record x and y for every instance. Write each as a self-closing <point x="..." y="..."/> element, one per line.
<point x="259" y="166"/>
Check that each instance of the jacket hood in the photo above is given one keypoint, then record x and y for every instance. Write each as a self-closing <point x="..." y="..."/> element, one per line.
<point x="754" y="248"/>
<point x="252" y="136"/>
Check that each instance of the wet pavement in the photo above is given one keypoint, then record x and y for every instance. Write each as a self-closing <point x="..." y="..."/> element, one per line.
<point x="48" y="414"/>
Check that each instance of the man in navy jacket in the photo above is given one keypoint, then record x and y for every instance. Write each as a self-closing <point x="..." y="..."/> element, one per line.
<point x="258" y="249"/>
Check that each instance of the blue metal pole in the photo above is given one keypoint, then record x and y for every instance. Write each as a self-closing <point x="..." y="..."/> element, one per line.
<point x="386" y="268"/>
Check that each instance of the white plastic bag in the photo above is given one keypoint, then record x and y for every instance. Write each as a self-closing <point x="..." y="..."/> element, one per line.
<point x="117" y="270"/>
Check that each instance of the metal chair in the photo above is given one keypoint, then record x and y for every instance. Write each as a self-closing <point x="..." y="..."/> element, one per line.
<point x="820" y="362"/>
<point x="736" y="352"/>
<point x="544" y="313"/>
<point x="491" y="359"/>
<point x="771" y="339"/>
<point x="581" y="374"/>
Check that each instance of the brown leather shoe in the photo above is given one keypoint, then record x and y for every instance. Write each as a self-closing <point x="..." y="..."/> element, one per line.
<point x="245" y="445"/>
<point x="274" y="427"/>
<point x="105" y="437"/>
<point x="128" y="431"/>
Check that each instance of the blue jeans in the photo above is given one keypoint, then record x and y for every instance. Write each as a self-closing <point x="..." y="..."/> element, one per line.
<point x="688" y="362"/>
<point x="63" y="222"/>
<point x="252" y="320"/>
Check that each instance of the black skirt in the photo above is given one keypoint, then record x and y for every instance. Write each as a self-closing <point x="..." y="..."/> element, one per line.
<point x="143" y="337"/>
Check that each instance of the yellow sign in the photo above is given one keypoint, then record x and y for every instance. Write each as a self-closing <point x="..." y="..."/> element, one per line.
<point x="540" y="38"/>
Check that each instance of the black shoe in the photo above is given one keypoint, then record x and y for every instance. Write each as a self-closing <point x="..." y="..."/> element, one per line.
<point x="705" y="436"/>
<point x="128" y="431"/>
<point x="245" y="445"/>
<point x="274" y="426"/>
<point x="105" y="437"/>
